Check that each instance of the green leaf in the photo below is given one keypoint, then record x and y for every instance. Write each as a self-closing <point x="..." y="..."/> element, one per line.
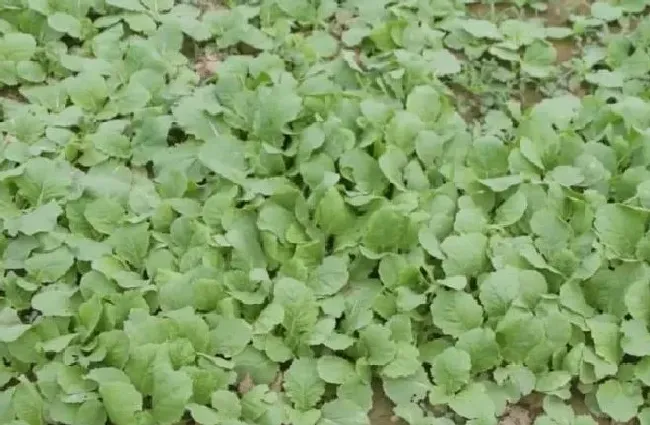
<point x="636" y="338"/>
<point x="619" y="228"/>
<point x="425" y="102"/>
<point x="158" y="6"/>
<point x="225" y="157"/>
<point x="619" y="400"/>
<point x="429" y="241"/>
<point x="465" y="254"/>
<point x="131" y="243"/>
<point x="44" y="180"/>
<point x="121" y="401"/>
<point x="231" y="336"/>
<point x="49" y="266"/>
<point x="111" y="143"/>
<point x="644" y="416"/>
<point x="605" y="11"/>
<point x="303" y="383"/>
<point x="605" y="333"/>
<point x="333" y="216"/>
<point x="637" y="300"/>
<point x="334" y="370"/>
<point x="28" y="404"/>
<point x="343" y="412"/>
<point x="405" y="363"/>
<point x="171" y="392"/>
<point x="226" y="403"/>
<point x="451" y="369"/>
<point x="512" y="210"/>
<point x="30" y="71"/>
<point x="378" y="345"/>
<point x="538" y="60"/>
<point x="519" y="333"/>
<point x="387" y="230"/>
<point x="482" y="347"/>
<point x="41" y="219"/>
<point x="62" y="22"/>
<point x="54" y="302"/>
<point x="500" y="289"/>
<point x="481" y="28"/>
<point x="17" y="46"/>
<point x="474" y="402"/>
<point x="552" y="381"/>
<point x="132" y="5"/>
<point x="330" y="276"/>
<point x="392" y="164"/>
<point x="455" y="312"/>
<point x="104" y="215"/>
<point x="11" y="328"/>
<point x="88" y="91"/>
<point x="203" y="415"/>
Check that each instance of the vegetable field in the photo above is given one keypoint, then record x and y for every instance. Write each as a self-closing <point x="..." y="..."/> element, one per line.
<point x="322" y="212"/>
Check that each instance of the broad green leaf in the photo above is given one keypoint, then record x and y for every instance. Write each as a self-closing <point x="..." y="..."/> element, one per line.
<point x="343" y="412"/>
<point x="636" y="338"/>
<point x="88" y="91"/>
<point x="405" y="363"/>
<point x="455" y="312"/>
<point x="104" y="215"/>
<point x="430" y="243"/>
<point x="131" y="243"/>
<point x="606" y="335"/>
<point x="637" y="300"/>
<point x="226" y="403"/>
<point x="225" y="157"/>
<point x="465" y="254"/>
<point x="605" y="11"/>
<point x="171" y="391"/>
<point x="17" y="46"/>
<point x="620" y="401"/>
<point x="330" y="276"/>
<point x="481" y="28"/>
<point x="11" y="328"/>
<point x="619" y="228"/>
<point x="332" y="213"/>
<point x="552" y="381"/>
<point x="28" y="404"/>
<point x="481" y="345"/>
<point x="334" y="370"/>
<point x="451" y="369"/>
<point x="158" y="6"/>
<point x="55" y="302"/>
<point x="49" y="266"/>
<point x="474" y="402"/>
<point x="379" y="347"/>
<point x="62" y="22"/>
<point x="44" y="180"/>
<point x="303" y="384"/>
<point x="512" y="210"/>
<point x="121" y="401"/>
<point x="230" y="336"/>
<point x="132" y="5"/>
<point x="425" y="101"/>
<point x="387" y="230"/>
<point x="41" y="219"/>
<point x="203" y="415"/>
<point x="499" y="289"/>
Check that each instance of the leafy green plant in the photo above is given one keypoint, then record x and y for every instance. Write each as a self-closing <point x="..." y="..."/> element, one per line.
<point x="270" y="212"/>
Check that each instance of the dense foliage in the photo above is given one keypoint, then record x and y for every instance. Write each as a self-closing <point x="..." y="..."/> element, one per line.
<point x="261" y="212"/>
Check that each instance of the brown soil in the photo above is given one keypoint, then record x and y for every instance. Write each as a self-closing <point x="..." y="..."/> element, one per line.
<point x="382" y="408"/>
